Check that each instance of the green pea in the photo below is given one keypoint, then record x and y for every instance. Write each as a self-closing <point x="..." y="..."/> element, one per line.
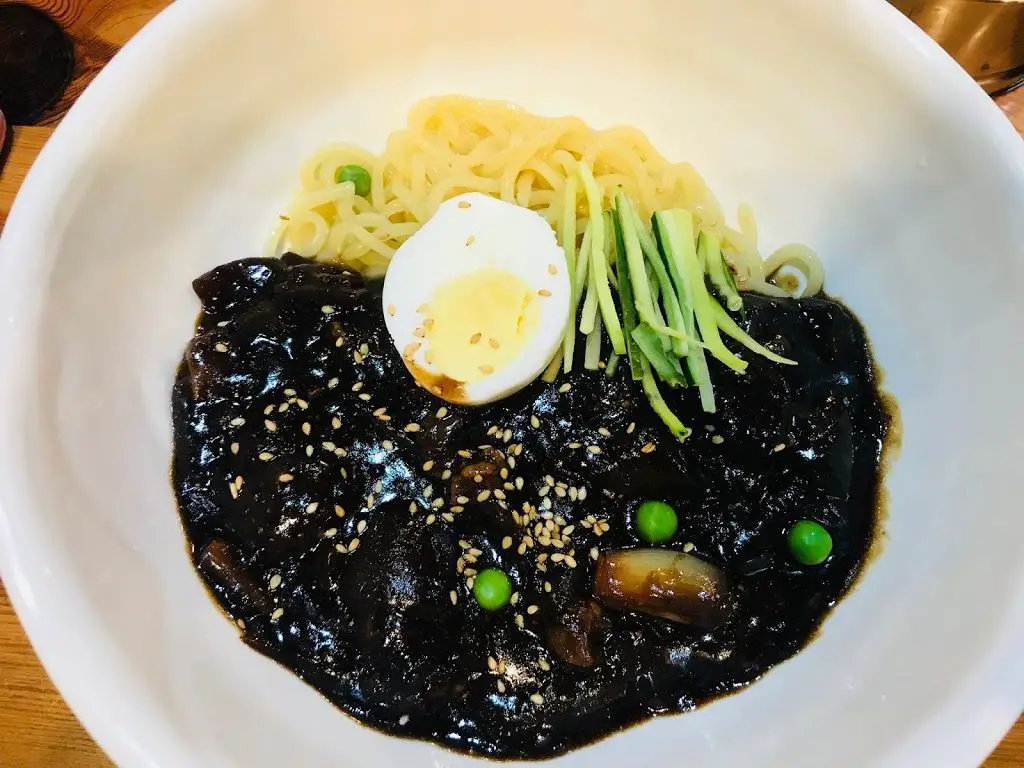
<point x="656" y="522"/>
<point x="809" y="542"/>
<point x="357" y="175"/>
<point x="492" y="589"/>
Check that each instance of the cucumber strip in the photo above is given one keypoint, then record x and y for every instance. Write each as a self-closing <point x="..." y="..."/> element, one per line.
<point x="629" y="319"/>
<point x="551" y="372"/>
<point x="694" y="276"/>
<point x="613" y="364"/>
<point x="579" y="280"/>
<point x="717" y="271"/>
<point x="679" y="430"/>
<point x="592" y="355"/>
<point x="669" y="300"/>
<point x="568" y="235"/>
<point x="731" y="329"/>
<point x="634" y="259"/>
<point x="673" y="242"/>
<point x="590" y="305"/>
<point x="599" y="260"/>
<point x="666" y="366"/>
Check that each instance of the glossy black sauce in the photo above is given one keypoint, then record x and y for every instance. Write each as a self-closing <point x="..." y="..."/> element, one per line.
<point x="375" y="629"/>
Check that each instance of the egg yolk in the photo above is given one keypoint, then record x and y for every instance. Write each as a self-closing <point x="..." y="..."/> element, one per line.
<point x="479" y="322"/>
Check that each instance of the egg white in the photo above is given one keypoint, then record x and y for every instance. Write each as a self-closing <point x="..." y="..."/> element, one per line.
<point x="460" y="239"/>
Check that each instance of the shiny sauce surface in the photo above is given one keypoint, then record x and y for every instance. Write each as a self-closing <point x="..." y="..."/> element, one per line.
<point x="338" y="512"/>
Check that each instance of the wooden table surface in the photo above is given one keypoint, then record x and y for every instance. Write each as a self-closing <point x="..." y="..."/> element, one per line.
<point x="37" y="730"/>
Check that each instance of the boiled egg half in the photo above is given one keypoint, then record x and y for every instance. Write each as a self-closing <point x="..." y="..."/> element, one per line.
<point x="478" y="299"/>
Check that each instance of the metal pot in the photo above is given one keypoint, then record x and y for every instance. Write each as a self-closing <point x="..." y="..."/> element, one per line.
<point x="985" y="36"/>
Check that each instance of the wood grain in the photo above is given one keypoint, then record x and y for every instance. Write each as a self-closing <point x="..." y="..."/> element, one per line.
<point x="37" y="730"/>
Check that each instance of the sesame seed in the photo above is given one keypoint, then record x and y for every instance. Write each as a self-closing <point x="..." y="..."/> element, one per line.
<point x="330" y="533"/>
<point x="544" y="292"/>
<point x="557" y="557"/>
<point x="302" y="404"/>
<point x="306" y="427"/>
<point x="486" y="369"/>
<point x="237" y="421"/>
<point x="431" y="519"/>
<point x="552" y="269"/>
<point x="282" y="407"/>
<point x="334" y="382"/>
<point x="603" y="432"/>
<point x="507" y="435"/>
<point x="369" y="501"/>
<point x="355" y="387"/>
<point x="532" y="609"/>
<point x="648" y="448"/>
<point x="353" y="545"/>
<point x="689" y="547"/>
<point x="285" y="478"/>
<point x="717" y="439"/>
<point x="361" y="528"/>
<point x="340" y="341"/>
<point x="420" y="332"/>
<point x="327" y="309"/>
<point x="475" y="338"/>
<point x="411" y="349"/>
<point x="339" y="510"/>
<point x="268" y="410"/>
<point x="464" y="204"/>
<point x="582" y="493"/>
<point x="312" y="507"/>
<point x="403" y="720"/>
<point x="448" y="517"/>
<point x="462" y="499"/>
<point x="241" y="623"/>
<point x="341" y="548"/>
<point x="387" y="445"/>
<point x="465" y="454"/>
<point x="380" y="411"/>
<point x="501" y="687"/>
<point x="630" y="428"/>
<point x="506" y="542"/>
<point x="275" y="581"/>
<point x="441" y="412"/>
<point x="234" y="490"/>
<point x="391" y="310"/>
<point x="537" y="699"/>
<point x="570" y="561"/>
<point x="493" y="343"/>
<point x="453" y="596"/>
<point x="220" y="346"/>
<point x="457" y="508"/>
<point x="470" y="240"/>
<point x="543" y="664"/>
<point x="779" y="447"/>
<point x="565" y="387"/>
<point x="234" y="447"/>
<point x="414" y="427"/>
<point x="437" y="503"/>
<point x="336" y="423"/>
<point x="364" y="396"/>
<point x="483" y="495"/>
<point x="309" y="450"/>
<point x="547" y="586"/>
<point x="265" y="456"/>
<point x="574" y="446"/>
<point x="594" y="553"/>
<point x="520" y="621"/>
<point x="428" y="465"/>
<point x="277" y="614"/>
<point x="511" y="462"/>
<point x="492" y="663"/>
<point x="327" y="445"/>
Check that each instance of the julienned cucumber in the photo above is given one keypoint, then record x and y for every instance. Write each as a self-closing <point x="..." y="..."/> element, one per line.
<point x="721" y="275"/>
<point x="674" y="242"/>
<point x="629" y="318"/>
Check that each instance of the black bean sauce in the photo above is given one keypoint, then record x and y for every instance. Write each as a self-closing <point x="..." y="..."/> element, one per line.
<point x="337" y="511"/>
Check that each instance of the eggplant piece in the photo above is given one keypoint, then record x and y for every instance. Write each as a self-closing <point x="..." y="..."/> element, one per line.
<point x="664" y="583"/>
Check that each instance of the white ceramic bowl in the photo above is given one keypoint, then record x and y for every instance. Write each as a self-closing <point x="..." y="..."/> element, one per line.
<point x="844" y="127"/>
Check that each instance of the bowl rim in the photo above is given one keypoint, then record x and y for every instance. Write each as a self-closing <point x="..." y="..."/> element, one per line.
<point x="964" y="731"/>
